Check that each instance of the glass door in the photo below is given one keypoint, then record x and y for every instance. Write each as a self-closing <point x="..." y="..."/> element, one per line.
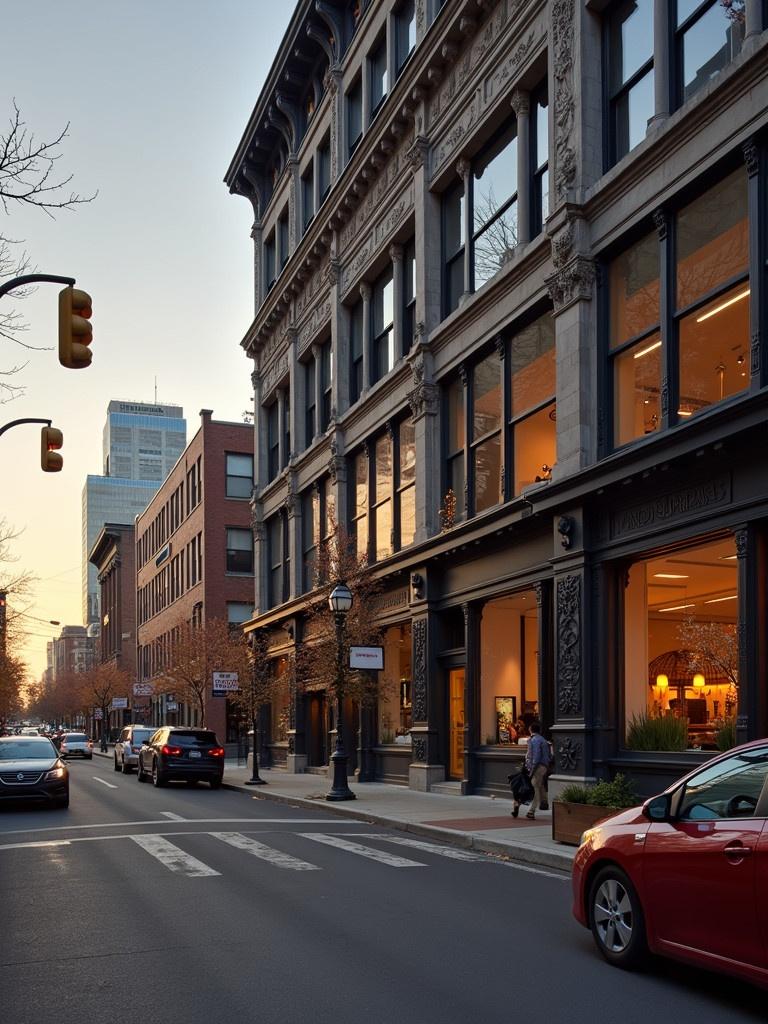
<point x="456" y="723"/>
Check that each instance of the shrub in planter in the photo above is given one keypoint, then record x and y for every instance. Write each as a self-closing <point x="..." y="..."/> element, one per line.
<point x="725" y="735"/>
<point x="648" y="733"/>
<point x="579" y="807"/>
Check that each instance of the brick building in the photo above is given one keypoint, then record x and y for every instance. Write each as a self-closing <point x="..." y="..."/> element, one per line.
<point x="113" y="554"/>
<point x="509" y="325"/>
<point x="194" y="553"/>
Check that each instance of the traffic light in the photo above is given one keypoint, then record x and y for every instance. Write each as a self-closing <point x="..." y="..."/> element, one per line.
<point x="75" y="331"/>
<point x="51" y="439"/>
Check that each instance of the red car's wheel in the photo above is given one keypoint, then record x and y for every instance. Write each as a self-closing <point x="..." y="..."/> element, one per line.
<point x="616" y="918"/>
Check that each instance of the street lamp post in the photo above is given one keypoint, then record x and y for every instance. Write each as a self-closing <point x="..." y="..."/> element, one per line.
<point x="340" y="601"/>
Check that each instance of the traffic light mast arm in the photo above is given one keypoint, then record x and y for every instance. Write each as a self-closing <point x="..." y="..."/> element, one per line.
<point x="18" y="282"/>
<point x="16" y="423"/>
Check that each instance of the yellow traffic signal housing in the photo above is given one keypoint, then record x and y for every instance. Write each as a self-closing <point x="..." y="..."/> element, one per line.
<point x="51" y="439"/>
<point x="75" y="331"/>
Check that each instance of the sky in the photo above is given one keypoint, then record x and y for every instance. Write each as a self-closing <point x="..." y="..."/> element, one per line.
<point x="157" y="94"/>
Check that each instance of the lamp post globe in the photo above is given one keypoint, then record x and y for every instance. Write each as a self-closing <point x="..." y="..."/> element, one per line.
<point x="340" y="601"/>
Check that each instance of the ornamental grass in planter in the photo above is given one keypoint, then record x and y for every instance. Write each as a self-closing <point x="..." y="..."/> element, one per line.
<point x="581" y="806"/>
<point x="647" y="732"/>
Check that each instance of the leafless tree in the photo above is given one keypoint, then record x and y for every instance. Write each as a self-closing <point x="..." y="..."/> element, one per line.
<point x="27" y="178"/>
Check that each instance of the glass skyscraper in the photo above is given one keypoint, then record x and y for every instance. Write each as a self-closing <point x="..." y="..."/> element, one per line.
<point x="141" y="443"/>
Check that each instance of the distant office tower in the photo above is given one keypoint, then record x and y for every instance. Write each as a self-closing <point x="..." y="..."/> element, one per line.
<point x="142" y="442"/>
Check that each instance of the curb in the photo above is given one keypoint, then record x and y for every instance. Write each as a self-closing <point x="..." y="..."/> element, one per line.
<point x="529" y="855"/>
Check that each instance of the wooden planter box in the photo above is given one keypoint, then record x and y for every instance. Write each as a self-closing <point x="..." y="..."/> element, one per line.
<point x="570" y="820"/>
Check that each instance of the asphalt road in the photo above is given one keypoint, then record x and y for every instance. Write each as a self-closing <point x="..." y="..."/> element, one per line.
<point x="184" y="904"/>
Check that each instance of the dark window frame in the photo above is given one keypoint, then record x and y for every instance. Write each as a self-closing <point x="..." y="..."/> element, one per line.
<point x="612" y="99"/>
<point x="237" y="476"/>
<point x="377" y="56"/>
<point x="387" y="332"/>
<point x="233" y="552"/>
<point x="353" y="105"/>
<point x="357" y="381"/>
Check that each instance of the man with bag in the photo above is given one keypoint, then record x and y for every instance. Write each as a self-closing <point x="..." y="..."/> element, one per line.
<point x="529" y="786"/>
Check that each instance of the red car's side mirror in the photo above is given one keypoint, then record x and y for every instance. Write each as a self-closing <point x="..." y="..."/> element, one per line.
<point x="658" y="808"/>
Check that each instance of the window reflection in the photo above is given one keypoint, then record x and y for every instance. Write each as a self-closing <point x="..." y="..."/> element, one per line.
<point x="710" y="36"/>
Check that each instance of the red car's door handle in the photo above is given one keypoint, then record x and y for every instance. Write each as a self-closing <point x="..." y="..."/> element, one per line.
<point x="737" y="851"/>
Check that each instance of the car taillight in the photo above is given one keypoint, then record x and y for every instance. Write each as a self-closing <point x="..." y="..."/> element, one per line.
<point x="170" y="751"/>
<point x="216" y="751"/>
<point x="90" y="743"/>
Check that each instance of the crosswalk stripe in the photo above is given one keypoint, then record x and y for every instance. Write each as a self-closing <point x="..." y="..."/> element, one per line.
<point x="442" y="851"/>
<point x="274" y="857"/>
<point x="390" y="859"/>
<point x="172" y="857"/>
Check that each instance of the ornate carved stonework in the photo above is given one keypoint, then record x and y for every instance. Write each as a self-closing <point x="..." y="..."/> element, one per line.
<point x="568" y="664"/>
<point x="418" y="153"/>
<point x="520" y="102"/>
<point x="572" y="283"/>
<point x="420" y="749"/>
<point x="564" y="106"/>
<point x="424" y="400"/>
<point x="754" y="354"/>
<point x="660" y="220"/>
<point x="751" y="157"/>
<point x="742" y="543"/>
<point x="568" y="755"/>
<point x="337" y="466"/>
<point x="420" y="670"/>
<point x="562" y="246"/>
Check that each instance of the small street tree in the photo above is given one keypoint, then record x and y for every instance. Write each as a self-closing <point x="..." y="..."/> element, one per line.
<point x="196" y="652"/>
<point x="257" y="690"/>
<point x="96" y="689"/>
<point x="12" y="674"/>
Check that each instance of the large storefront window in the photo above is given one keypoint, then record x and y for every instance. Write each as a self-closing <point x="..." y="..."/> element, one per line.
<point x="532" y="403"/>
<point x="509" y="672"/>
<point x="681" y="650"/>
<point x="395" y="716"/>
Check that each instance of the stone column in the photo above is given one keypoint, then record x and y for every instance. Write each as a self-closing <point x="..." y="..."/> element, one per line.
<point x="293" y="525"/>
<point x="422" y="19"/>
<point x="294" y="203"/>
<point x="661" y="68"/>
<point x="260" y="558"/>
<point x="427" y="732"/>
<point x="754" y="21"/>
<point x="757" y="295"/>
<point x="337" y="470"/>
<point x="576" y="91"/>
<point x="296" y="392"/>
<point x="426" y="240"/>
<point x="339" y="343"/>
<point x="473" y="612"/>
<point x="365" y="293"/>
<point x="332" y="83"/>
<point x="521" y="104"/>
<point x="260" y="430"/>
<point x="424" y="400"/>
<point x="281" y="448"/>
<point x="396" y="255"/>
<point x="752" y="711"/>
<point x="317" y="355"/>
<point x="463" y="169"/>
<point x="297" y="736"/>
<point x="257" y="234"/>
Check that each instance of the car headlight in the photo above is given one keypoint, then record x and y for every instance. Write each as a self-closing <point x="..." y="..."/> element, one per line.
<point x="586" y="836"/>
<point x="55" y="773"/>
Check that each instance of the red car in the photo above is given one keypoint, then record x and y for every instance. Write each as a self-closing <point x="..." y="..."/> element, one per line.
<point x="684" y="875"/>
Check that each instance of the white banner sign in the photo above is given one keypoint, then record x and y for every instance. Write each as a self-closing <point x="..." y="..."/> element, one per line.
<point x="98" y="714"/>
<point x="171" y="705"/>
<point x="371" y="658"/>
<point x="143" y="689"/>
<point x="225" y="682"/>
<point x="119" y="702"/>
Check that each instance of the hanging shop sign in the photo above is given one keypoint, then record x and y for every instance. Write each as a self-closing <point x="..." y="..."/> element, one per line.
<point x="225" y="682"/>
<point x="370" y="658"/>
<point x="119" y="702"/>
<point x="143" y="689"/>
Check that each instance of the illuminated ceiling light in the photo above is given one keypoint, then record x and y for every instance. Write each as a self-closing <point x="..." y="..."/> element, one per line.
<point x="722" y="306"/>
<point x="670" y="576"/>
<point x="699" y="681"/>
<point x="728" y="558"/>
<point x="662" y="681"/>
<point x="685" y="412"/>
<point x="717" y="600"/>
<point x="645" y="351"/>
<point x="677" y="607"/>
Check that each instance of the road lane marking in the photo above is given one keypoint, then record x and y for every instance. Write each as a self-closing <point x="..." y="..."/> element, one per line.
<point x="442" y="851"/>
<point x="104" y="782"/>
<point x="390" y="859"/>
<point x="174" y="858"/>
<point x="275" y="857"/>
<point x="41" y="843"/>
<point x="164" y="821"/>
<point x="172" y="816"/>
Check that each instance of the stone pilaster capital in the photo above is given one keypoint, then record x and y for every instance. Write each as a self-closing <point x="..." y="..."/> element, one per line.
<point x="521" y="102"/>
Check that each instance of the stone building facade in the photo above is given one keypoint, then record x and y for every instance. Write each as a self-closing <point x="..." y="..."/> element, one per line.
<point x="509" y="304"/>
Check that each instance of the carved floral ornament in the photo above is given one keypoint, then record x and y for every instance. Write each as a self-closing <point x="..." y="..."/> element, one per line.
<point x="572" y="283"/>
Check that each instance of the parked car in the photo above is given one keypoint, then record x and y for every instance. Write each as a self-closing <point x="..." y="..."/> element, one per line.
<point x="194" y="755"/>
<point x="28" y="730"/>
<point x="128" y="745"/>
<point x="76" y="744"/>
<point x="31" y="769"/>
<point x="683" y="875"/>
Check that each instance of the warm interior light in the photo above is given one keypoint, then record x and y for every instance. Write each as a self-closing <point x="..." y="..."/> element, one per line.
<point x="662" y="681"/>
<point x="685" y="412"/>
<point x="722" y="306"/>
<point x="699" y="681"/>
<point x="645" y="351"/>
<point x="670" y="576"/>
<point x="717" y="600"/>
<point x="677" y="607"/>
<point x="728" y="558"/>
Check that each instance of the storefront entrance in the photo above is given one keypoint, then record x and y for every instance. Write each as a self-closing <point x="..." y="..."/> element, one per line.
<point x="317" y="739"/>
<point x="456" y="723"/>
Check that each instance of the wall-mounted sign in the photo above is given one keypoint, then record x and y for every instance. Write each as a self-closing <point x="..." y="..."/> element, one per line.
<point x="225" y="682"/>
<point x="171" y="705"/>
<point x="98" y="714"/>
<point x="143" y="689"/>
<point x="119" y="702"/>
<point x="371" y="658"/>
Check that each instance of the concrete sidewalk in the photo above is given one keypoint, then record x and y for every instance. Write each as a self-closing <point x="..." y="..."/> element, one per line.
<point x="472" y="822"/>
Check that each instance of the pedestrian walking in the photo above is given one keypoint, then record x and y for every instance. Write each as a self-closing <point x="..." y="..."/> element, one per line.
<point x="537" y="760"/>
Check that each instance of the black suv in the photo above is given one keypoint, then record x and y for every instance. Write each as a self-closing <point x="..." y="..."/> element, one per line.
<point x="172" y="753"/>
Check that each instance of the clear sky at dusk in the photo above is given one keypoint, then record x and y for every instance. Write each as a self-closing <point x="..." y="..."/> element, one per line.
<point x="157" y="93"/>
